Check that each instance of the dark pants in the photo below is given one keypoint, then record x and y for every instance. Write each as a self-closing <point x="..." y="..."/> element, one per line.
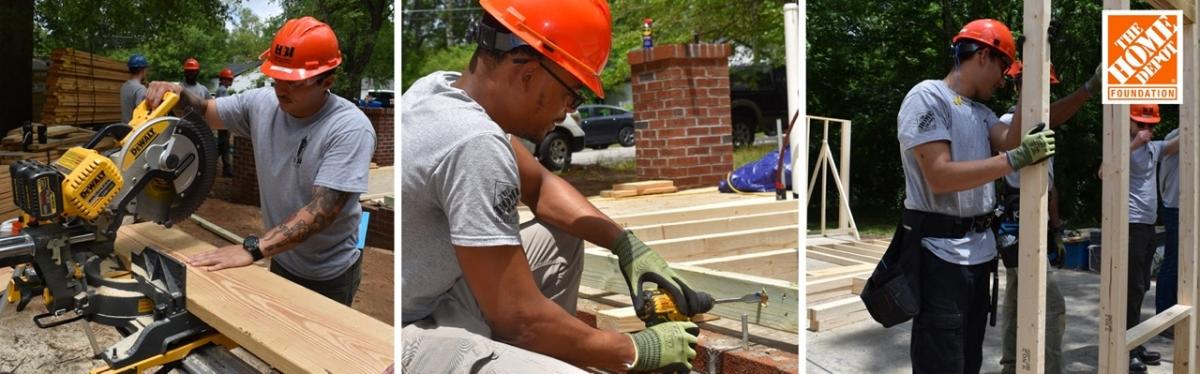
<point x="1168" y="274"/>
<point x="340" y="288"/>
<point x="1141" y="257"/>
<point x="223" y="150"/>
<point x="947" y="335"/>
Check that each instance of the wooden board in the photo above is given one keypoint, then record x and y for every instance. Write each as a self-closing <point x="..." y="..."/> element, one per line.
<point x="657" y="190"/>
<point x="688" y="214"/>
<point x="1034" y="109"/>
<point x="626" y="320"/>
<point x="293" y="329"/>
<point x="1187" y="6"/>
<point x="640" y="187"/>
<point x="725" y="244"/>
<point x="1114" y="272"/>
<point x="699" y="227"/>
<point x="778" y="264"/>
<point x="618" y="193"/>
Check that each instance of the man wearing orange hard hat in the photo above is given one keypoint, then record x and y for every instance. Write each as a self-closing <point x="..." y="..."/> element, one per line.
<point x="1144" y="156"/>
<point x="952" y="147"/>
<point x="191" y="71"/>
<point x="472" y="274"/>
<point x="223" y="145"/>
<point x="312" y="152"/>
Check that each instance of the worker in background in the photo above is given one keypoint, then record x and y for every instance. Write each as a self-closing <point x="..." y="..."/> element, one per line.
<point x="1007" y="234"/>
<point x="949" y="140"/>
<point x="473" y="276"/>
<point x="1144" y="156"/>
<point x="133" y="91"/>
<point x="1168" y="274"/>
<point x="191" y="70"/>
<point x="313" y="152"/>
<point x="226" y="80"/>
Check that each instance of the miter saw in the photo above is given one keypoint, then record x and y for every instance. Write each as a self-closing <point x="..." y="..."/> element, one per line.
<point x="161" y="170"/>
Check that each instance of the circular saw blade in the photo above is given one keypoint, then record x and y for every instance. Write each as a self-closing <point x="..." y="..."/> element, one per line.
<point x="168" y="201"/>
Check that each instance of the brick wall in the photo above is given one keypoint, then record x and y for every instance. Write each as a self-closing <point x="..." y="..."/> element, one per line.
<point x="380" y="227"/>
<point x="383" y="120"/>
<point x="681" y="113"/>
<point x="245" y="180"/>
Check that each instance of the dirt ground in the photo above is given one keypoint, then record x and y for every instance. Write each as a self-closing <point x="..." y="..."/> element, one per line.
<point x="24" y="348"/>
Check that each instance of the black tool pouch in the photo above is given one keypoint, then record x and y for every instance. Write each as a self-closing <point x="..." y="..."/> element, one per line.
<point x="892" y="294"/>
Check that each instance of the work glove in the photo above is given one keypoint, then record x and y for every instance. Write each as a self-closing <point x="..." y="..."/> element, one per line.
<point x="639" y="264"/>
<point x="670" y="345"/>
<point x="1093" y="84"/>
<point x="1035" y="147"/>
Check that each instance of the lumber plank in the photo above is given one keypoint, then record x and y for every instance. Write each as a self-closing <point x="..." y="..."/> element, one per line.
<point x="845" y="254"/>
<point x="600" y="271"/>
<point x="618" y="193"/>
<point x="778" y="264"/>
<point x="1187" y="6"/>
<point x="640" y="187"/>
<point x="821" y="273"/>
<point x="829" y="324"/>
<point x="1149" y="328"/>
<point x="728" y="243"/>
<point x="835" y="308"/>
<point x="858" y="283"/>
<point x="293" y="329"/>
<point x="699" y="227"/>
<point x="657" y="190"/>
<point x="696" y="213"/>
<point x="1031" y="310"/>
<point x="625" y="319"/>
<point x="1114" y="273"/>
<point x="834" y="259"/>
<point x="1185" y="352"/>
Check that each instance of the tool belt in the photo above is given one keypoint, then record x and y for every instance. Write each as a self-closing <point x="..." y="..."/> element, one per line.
<point x="892" y="294"/>
<point x="1008" y="224"/>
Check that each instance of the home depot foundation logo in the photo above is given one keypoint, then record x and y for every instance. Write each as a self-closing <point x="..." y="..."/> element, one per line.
<point x="1142" y="56"/>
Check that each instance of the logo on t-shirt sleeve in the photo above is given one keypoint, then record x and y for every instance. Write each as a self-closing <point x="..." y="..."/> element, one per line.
<point x="504" y="201"/>
<point x="925" y="122"/>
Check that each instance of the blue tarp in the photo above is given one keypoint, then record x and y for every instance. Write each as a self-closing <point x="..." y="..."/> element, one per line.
<point x="759" y="176"/>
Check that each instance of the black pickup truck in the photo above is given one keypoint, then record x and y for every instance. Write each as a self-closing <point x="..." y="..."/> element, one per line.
<point x="757" y="98"/>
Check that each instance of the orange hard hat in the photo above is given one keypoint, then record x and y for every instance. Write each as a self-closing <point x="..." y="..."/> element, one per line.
<point x="991" y="33"/>
<point x="1144" y="113"/>
<point x="575" y="34"/>
<point x="226" y="73"/>
<point x="1014" y="72"/>
<point x="191" y="64"/>
<point x="303" y="48"/>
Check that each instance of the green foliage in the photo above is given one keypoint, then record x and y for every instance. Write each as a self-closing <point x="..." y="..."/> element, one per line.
<point x="451" y="58"/>
<point x="863" y="58"/>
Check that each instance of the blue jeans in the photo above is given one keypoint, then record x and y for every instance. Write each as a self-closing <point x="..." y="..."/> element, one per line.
<point x="1168" y="273"/>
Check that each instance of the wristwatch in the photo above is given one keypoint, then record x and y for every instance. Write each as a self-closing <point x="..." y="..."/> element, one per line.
<point x="250" y="244"/>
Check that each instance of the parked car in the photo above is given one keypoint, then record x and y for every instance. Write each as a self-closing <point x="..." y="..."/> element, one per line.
<point x="378" y="99"/>
<point x="605" y="125"/>
<point x="554" y="152"/>
<point x="757" y="98"/>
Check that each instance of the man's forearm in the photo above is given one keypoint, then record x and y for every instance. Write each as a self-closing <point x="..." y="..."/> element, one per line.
<point x="550" y="331"/>
<point x="314" y="217"/>
<point x="1065" y="108"/>
<point x="561" y="205"/>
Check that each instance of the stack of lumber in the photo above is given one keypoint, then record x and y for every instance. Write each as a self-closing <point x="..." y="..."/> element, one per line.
<point x="640" y="188"/>
<point x="83" y="88"/>
<point x="59" y="139"/>
<point x="833" y="292"/>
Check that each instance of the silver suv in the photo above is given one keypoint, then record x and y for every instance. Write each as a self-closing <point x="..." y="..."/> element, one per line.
<point x="556" y="147"/>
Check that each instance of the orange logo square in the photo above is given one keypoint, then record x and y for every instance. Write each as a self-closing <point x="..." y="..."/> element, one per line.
<point x="1141" y="56"/>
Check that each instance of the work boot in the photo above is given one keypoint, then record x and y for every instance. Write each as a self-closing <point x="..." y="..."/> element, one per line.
<point x="1136" y="366"/>
<point x="1148" y="357"/>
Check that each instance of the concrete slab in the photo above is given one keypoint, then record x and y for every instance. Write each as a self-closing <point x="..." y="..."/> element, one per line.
<point x="867" y="347"/>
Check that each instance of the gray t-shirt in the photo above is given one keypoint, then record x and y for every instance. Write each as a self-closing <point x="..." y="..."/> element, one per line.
<point x="1143" y="182"/>
<point x="132" y="94"/>
<point x="1014" y="179"/>
<point x="933" y="112"/>
<point x="1168" y="176"/>
<point x="460" y="187"/>
<point x="331" y="148"/>
<point x="197" y="90"/>
<point x="221" y="91"/>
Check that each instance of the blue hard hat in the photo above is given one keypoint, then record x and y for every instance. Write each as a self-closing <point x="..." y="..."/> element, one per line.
<point x="138" y="62"/>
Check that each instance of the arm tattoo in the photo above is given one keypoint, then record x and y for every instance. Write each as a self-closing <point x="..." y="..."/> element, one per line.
<point x="314" y="217"/>
<point x="191" y="107"/>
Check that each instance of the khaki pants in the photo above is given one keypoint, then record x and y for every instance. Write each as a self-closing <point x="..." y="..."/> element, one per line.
<point x="456" y="338"/>
<point x="1056" y="323"/>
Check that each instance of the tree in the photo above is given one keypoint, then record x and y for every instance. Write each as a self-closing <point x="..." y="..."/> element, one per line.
<point x="358" y="25"/>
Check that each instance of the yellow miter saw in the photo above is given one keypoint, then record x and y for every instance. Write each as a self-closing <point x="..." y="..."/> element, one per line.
<point x="161" y="171"/>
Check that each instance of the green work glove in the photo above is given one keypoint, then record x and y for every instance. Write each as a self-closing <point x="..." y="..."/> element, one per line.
<point x="1093" y="84"/>
<point x="666" y="345"/>
<point x="639" y="264"/>
<point x="1035" y="147"/>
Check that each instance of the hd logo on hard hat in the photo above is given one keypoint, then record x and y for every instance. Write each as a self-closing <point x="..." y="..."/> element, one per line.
<point x="284" y="52"/>
<point x="1141" y="56"/>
